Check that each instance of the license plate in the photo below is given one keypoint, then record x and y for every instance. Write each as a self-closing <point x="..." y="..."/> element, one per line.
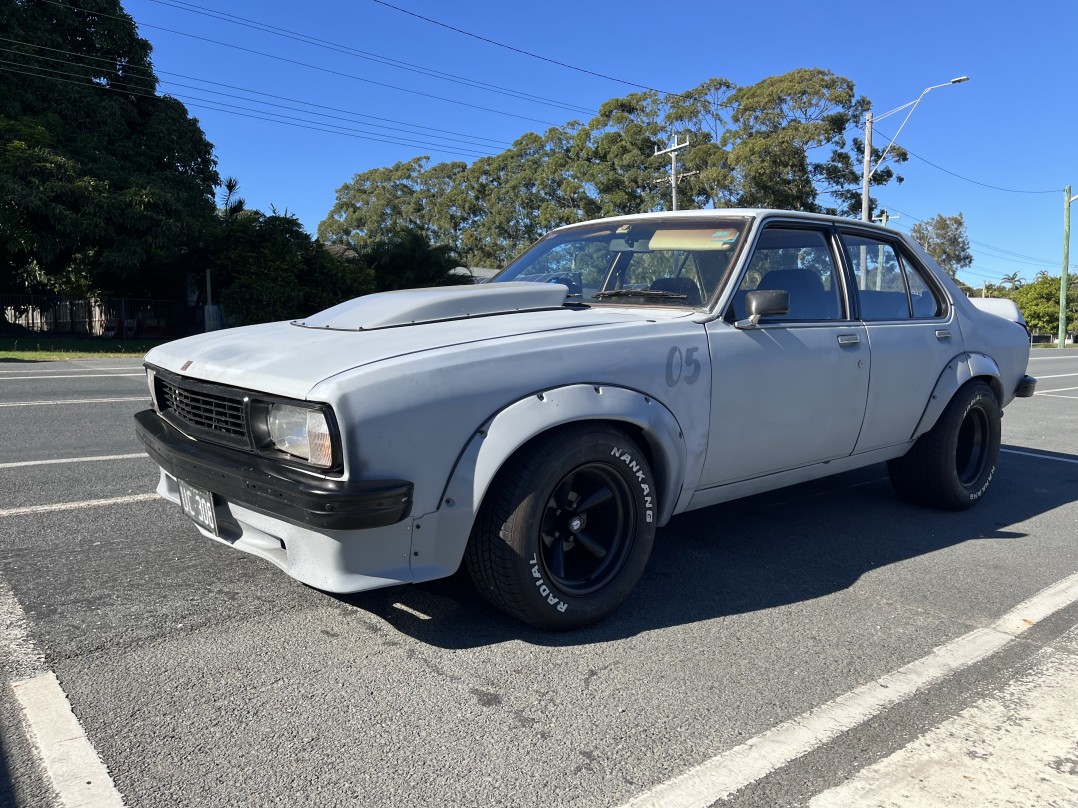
<point x="198" y="504"/>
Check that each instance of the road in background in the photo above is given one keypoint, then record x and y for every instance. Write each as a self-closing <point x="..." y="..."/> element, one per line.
<point x="205" y="676"/>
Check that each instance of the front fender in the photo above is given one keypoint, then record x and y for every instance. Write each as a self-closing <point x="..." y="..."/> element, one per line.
<point x="959" y="370"/>
<point x="439" y="538"/>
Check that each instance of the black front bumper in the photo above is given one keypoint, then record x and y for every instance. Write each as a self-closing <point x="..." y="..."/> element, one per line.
<point x="271" y="487"/>
<point x="1026" y="387"/>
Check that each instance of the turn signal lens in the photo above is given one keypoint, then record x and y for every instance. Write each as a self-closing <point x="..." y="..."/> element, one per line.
<point x="151" y="378"/>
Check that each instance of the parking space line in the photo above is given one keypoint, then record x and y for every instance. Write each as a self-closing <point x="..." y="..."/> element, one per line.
<point x="72" y="376"/>
<point x="65" y="369"/>
<point x="73" y="401"/>
<point x="60" y="461"/>
<point x="75" y="506"/>
<point x="1050" y="395"/>
<point x="1057" y="376"/>
<point x="1040" y="456"/>
<point x="72" y="765"/>
<point x="1059" y="390"/>
<point x="753" y="760"/>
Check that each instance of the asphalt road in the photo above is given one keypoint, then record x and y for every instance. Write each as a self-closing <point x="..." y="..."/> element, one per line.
<point x="203" y="676"/>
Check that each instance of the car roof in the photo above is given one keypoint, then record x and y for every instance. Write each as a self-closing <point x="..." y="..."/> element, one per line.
<point x="727" y="213"/>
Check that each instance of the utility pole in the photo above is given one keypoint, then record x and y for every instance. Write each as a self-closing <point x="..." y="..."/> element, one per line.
<point x="866" y="175"/>
<point x="672" y="151"/>
<point x="1067" y="200"/>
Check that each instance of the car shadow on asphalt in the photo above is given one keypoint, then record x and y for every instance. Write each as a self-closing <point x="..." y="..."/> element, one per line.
<point x="762" y="552"/>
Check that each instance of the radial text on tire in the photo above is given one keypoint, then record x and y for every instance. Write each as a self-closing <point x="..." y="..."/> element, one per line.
<point x="566" y="528"/>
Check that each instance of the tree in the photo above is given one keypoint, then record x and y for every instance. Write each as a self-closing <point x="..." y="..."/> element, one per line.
<point x="1011" y="281"/>
<point x="268" y="268"/>
<point x="944" y="238"/>
<point x="748" y="146"/>
<point x="1039" y="302"/>
<point x="405" y="259"/>
<point x="103" y="182"/>
<point x="779" y="122"/>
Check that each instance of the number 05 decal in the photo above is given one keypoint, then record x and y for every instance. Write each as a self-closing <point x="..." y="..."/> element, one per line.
<point x="682" y="368"/>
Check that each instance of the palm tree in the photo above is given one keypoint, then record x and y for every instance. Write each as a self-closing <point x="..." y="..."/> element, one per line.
<point x="1012" y="281"/>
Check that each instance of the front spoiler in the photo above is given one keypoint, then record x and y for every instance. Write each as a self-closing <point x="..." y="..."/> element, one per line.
<point x="271" y="487"/>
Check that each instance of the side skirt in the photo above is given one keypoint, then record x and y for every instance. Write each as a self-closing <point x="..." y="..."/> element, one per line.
<point x="704" y="497"/>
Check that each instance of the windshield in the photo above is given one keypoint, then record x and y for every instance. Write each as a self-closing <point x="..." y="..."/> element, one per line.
<point x="670" y="263"/>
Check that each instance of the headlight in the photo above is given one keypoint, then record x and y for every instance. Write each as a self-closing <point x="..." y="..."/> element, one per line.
<point x="301" y="432"/>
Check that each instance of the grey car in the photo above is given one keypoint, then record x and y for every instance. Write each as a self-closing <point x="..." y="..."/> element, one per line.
<point x="539" y="428"/>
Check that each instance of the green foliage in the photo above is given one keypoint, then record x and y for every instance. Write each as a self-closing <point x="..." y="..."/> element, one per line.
<point x="944" y="238"/>
<point x="104" y="183"/>
<point x="1039" y="302"/>
<point x="747" y="146"/>
<point x="405" y="259"/>
<point x="268" y="268"/>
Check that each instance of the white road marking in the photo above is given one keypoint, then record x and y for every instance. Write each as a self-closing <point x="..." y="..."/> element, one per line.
<point x="1057" y="376"/>
<point x="74" y="376"/>
<point x="736" y="768"/>
<point x="73" y="401"/>
<point x="71" y="762"/>
<point x="1040" y="456"/>
<point x="23" y="463"/>
<point x="65" y="369"/>
<point x="1057" y="390"/>
<point x="74" y="506"/>
<point x="1054" y="396"/>
<point x="74" y="768"/>
<point x="1014" y="748"/>
<point x="25" y="659"/>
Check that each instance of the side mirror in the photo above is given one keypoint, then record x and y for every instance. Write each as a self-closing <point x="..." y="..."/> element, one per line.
<point x="763" y="303"/>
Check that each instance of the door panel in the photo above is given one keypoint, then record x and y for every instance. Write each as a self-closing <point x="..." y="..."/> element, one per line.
<point x="784" y="396"/>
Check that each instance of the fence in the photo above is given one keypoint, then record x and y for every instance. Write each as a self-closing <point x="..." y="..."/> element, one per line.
<point x="120" y="318"/>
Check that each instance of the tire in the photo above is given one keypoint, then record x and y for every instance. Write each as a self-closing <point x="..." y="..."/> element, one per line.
<point x="566" y="529"/>
<point x="951" y="466"/>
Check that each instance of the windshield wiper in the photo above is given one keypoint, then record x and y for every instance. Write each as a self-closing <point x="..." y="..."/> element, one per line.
<point x="649" y="294"/>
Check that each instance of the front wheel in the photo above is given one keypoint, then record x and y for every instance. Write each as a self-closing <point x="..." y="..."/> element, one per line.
<point x="566" y="528"/>
<point x="952" y="465"/>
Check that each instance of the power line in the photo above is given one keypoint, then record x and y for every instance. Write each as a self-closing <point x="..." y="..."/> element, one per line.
<point x="310" y="66"/>
<point x="256" y="25"/>
<point x="445" y="134"/>
<point x="967" y="179"/>
<point x="519" y="50"/>
<point x="231" y="109"/>
<point x="1007" y="255"/>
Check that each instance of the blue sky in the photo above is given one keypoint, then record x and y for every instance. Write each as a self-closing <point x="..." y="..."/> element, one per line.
<point x="999" y="148"/>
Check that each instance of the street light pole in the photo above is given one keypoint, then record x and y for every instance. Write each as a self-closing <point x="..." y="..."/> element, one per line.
<point x="1067" y="201"/>
<point x="868" y="170"/>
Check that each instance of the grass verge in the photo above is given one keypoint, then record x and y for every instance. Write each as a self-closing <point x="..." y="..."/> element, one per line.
<point x="41" y="348"/>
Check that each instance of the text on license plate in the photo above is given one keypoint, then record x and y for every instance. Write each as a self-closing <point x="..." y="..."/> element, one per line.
<point x="198" y="504"/>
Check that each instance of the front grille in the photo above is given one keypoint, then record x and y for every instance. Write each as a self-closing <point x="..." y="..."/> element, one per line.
<point x="216" y="414"/>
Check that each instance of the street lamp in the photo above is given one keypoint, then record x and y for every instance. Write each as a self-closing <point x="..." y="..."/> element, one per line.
<point x="1067" y="201"/>
<point x="868" y="170"/>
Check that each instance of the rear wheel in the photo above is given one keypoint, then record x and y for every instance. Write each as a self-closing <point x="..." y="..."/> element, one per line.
<point x="566" y="529"/>
<point x="952" y="465"/>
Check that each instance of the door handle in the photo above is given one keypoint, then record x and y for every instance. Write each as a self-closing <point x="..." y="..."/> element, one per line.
<point x="943" y="333"/>
<point x="848" y="339"/>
